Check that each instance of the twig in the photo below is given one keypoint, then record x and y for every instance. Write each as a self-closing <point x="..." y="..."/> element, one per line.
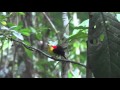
<point x="40" y="51"/>
<point x="53" y="26"/>
<point x="68" y="23"/>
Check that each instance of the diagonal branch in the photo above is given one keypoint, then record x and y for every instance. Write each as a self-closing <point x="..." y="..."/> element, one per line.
<point x="40" y="51"/>
<point x="53" y="26"/>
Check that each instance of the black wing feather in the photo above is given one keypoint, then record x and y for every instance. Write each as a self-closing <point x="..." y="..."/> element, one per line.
<point x="59" y="51"/>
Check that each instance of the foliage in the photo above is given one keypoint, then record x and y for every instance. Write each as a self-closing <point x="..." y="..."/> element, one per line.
<point x="35" y="30"/>
<point x="103" y="51"/>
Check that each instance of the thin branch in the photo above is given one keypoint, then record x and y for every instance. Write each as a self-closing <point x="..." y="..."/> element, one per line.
<point x="40" y="51"/>
<point x="53" y="26"/>
<point x="68" y="23"/>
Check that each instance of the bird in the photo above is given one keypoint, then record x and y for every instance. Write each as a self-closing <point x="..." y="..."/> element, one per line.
<point x="56" y="49"/>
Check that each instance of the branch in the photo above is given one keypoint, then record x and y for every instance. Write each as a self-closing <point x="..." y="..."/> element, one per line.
<point x="68" y="23"/>
<point x="40" y="51"/>
<point x="53" y="26"/>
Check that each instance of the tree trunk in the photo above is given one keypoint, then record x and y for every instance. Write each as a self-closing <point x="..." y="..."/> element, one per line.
<point x="65" y="65"/>
<point x="88" y="71"/>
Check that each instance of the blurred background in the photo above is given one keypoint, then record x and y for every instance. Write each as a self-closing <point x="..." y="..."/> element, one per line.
<point x="36" y="29"/>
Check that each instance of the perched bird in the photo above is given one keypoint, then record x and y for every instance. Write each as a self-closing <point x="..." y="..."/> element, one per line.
<point x="58" y="50"/>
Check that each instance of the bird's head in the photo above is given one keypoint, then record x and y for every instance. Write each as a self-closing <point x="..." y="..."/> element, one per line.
<point x="52" y="46"/>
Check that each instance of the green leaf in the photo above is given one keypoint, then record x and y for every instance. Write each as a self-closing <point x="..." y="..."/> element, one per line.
<point x="76" y="45"/>
<point x="80" y="34"/>
<point x="70" y="75"/>
<point x="2" y="18"/>
<point x="33" y="30"/>
<point x="6" y="44"/>
<point x="101" y="37"/>
<point x="18" y="27"/>
<point x="29" y="53"/>
<point x="25" y="31"/>
<point x="1" y="36"/>
<point x="118" y="16"/>
<point x="13" y="27"/>
<point x="10" y="24"/>
<point x="38" y="36"/>
<point x="17" y="35"/>
<point x="85" y="23"/>
<point x="21" y="13"/>
<point x="4" y="23"/>
<point x="104" y="55"/>
<point x="4" y="28"/>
